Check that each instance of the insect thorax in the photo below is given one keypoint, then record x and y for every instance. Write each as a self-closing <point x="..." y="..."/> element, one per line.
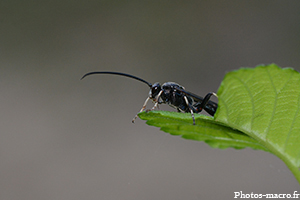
<point x="174" y="97"/>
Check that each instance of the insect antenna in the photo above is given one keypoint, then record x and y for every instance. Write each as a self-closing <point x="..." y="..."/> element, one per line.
<point x="120" y="74"/>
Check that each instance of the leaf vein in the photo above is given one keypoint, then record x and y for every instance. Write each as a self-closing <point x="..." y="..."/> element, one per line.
<point x="251" y="98"/>
<point x="275" y="103"/>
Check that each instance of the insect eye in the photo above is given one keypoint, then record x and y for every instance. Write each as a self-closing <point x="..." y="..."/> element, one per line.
<point x="155" y="90"/>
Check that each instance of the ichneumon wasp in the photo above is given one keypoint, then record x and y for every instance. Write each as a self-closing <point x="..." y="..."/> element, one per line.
<point x="172" y="94"/>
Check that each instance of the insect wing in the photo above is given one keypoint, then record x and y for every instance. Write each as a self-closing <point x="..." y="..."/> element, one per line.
<point x="192" y="95"/>
<point x="210" y="106"/>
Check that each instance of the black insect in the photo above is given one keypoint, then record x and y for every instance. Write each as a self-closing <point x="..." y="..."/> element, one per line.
<point x="174" y="95"/>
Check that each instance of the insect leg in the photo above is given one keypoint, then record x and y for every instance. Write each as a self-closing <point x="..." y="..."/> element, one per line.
<point x="205" y="101"/>
<point x="191" y="110"/>
<point x="143" y="108"/>
<point x="157" y="100"/>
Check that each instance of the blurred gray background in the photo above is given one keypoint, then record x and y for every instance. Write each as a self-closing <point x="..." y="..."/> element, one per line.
<point x="62" y="138"/>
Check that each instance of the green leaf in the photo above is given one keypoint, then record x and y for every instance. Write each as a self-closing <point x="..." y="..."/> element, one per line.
<point x="206" y="129"/>
<point x="264" y="103"/>
<point x="258" y="108"/>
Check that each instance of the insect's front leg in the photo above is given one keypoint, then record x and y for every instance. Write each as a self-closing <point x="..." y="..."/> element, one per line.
<point x="143" y="108"/>
<point x="156" y="101"/>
